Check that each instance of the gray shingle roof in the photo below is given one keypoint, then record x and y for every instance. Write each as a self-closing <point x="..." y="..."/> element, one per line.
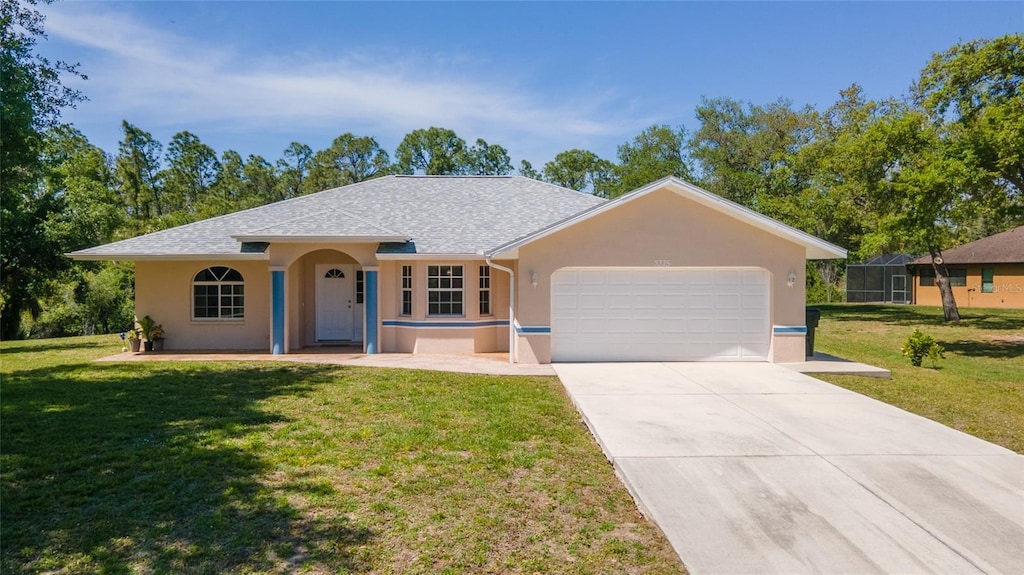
<point x="326" y="222"/>
<point x="440" y="214"/>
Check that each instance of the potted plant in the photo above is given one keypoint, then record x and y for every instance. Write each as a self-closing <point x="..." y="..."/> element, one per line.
<point x="133" y="340"/>
<point x="158" y="336"/>
<point x="147" y="327"/>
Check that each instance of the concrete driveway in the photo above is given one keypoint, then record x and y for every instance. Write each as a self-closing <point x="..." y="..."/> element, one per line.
<point x="754" y="468"/>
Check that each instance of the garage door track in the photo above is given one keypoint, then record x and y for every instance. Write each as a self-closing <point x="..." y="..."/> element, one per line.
<point x="754" y="468"/>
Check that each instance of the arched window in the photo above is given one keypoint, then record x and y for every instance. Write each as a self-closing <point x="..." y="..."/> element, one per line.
<point x="218" y="292"/>
<point x="334" y="273"/>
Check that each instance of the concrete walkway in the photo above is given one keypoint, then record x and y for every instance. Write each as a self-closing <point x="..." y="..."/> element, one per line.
<point x="824" y="363"/>
<point x="486" y="364"/>
<point x="755" y="468"/>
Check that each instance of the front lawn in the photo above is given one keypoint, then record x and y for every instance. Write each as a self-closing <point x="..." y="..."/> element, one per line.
<point x="978" y="388"/>
<point x="276" y="467"/>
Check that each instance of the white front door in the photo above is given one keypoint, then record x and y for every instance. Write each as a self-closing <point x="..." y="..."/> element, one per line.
<point x="335" y="302"/>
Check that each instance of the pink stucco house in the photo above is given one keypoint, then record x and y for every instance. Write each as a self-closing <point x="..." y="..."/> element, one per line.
<point x="452" y="264"/>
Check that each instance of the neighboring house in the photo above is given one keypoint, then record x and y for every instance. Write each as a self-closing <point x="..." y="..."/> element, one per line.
<point x="984" y="273"/>
<point x="440" y="264"/>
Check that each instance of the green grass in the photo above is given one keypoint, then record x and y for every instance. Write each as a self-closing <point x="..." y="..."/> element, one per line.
<point x="276" y="467"/>
<point x="978" y="388"/>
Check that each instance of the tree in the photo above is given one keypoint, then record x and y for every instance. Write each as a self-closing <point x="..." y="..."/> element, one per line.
<point x="349" y="159"/>
<point x="977" y="90"/>
<point x="746" y="152"/>
<point x="108" y="304"/>
<point x="655" y="153"/>
<point x="137" y="171"/>
<point x="926" y="189"/>
<point x="483" y="159"/>
<point x="526" y="170"/>
<point x="240" y="184"/>
<point x="834" y="203"/>
<point x="191" y="170"/>
<point x="433" y="151"/>
<point x="79" y="177"/>
<point x="581" y="170"/>
<point x="31" y="100"/>
<point x="292" y="170"/>
<point x="260" y="182"/>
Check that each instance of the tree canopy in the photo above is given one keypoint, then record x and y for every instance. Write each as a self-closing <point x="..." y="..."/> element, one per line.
<point x="939" y="167"/>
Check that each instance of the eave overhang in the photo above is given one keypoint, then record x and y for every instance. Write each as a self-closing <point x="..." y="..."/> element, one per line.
<point x="438" y="257"/>
<point x="132" y="257"/>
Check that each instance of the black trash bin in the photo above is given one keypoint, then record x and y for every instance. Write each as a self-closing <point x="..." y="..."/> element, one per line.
<point x="811" y="318"/>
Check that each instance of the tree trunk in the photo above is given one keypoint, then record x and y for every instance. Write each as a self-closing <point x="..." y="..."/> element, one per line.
<point x="949" y="308"/>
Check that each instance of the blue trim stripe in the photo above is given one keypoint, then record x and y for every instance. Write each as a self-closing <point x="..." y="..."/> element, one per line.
<point x="789" y="329"/>
<point x="445" y="324"/>
<point x="532" y="329"/>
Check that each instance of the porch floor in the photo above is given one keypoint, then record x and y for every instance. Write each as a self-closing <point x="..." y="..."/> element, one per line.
<point x="482" y="363"/>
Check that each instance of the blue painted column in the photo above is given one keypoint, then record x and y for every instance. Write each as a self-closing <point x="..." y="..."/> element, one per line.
<point x="372" y="312"/>
<point x="277" y="311"/>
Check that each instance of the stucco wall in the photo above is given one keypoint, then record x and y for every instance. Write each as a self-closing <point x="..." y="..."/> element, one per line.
<point x="659" y="229"/>
<point x="425" y="339"/>
<point x="1008" y="288"/>
<point x="163" y="290"/>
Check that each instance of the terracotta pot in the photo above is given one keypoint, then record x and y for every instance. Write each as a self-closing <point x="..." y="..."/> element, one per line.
<point x="158" y="344"/>
<point x="134" y="345"/>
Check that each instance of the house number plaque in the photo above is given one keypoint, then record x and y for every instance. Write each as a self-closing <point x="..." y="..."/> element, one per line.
<point x="663" y="263"/>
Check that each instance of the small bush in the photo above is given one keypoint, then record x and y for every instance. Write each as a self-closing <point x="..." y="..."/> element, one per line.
<point x="919" y="345"/>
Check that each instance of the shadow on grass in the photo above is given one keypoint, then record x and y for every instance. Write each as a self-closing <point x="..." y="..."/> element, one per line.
<point x="914" y="316"/>
<point x="122" y="468"/>
<point x="993" y="349"/>
<point x="30" y="346"/>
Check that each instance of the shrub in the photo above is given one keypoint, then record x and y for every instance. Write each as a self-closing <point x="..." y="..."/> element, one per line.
<point x="919" y="345"/>
<point x="60" y="315"/>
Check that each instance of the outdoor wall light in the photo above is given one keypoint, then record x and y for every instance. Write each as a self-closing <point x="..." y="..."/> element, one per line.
<point x="533" y="279"/>
<point x="791" y="280"/>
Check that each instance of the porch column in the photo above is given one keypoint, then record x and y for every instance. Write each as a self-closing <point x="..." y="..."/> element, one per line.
<point x="277" y="305"/>
<point x="372" y="313"/>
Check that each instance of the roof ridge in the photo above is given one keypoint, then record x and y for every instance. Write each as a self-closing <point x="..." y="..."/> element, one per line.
<point x="453" y="176"/>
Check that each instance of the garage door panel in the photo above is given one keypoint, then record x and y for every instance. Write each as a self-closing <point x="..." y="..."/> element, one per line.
<point x="654" y="314"/>
<point x="699" y="301"/>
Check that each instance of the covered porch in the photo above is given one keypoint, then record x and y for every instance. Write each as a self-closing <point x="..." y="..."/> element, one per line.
<point x="323" y="297"/>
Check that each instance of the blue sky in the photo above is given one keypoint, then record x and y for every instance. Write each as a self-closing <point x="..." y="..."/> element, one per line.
<point x="537" y="78"/>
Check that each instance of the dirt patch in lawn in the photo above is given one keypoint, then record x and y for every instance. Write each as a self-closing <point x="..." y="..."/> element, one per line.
<point x="1006" y="339"/>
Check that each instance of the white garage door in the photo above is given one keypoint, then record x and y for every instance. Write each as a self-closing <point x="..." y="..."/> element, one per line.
<point x="660" y="314"/>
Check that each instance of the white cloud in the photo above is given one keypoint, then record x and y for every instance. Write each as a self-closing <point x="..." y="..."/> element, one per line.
<point x="153" y="75"/>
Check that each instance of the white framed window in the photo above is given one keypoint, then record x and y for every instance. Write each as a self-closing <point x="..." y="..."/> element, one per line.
<point x="218" y="293"/>
<point x="406" y="290"/>
<point x="485" y="290"/>
<point x="445" y="290"/>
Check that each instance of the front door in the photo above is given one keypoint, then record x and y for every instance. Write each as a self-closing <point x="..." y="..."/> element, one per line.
<point x="335" y="302"/>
